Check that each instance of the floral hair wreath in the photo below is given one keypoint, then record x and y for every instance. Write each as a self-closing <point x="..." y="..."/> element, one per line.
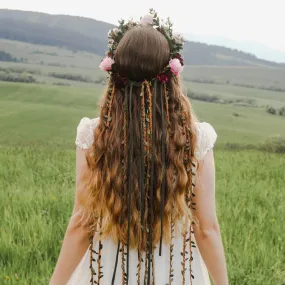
<point x="175" y="41"/>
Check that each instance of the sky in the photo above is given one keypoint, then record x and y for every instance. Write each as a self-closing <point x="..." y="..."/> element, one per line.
<point x="262" y="21"/>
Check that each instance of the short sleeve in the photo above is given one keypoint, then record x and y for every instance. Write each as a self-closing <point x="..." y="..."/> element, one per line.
<point x="85" y="132"/>
<point x="206" y="138"/>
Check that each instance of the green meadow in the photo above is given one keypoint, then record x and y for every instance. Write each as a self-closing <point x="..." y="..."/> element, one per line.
<point x="37" y="179"/>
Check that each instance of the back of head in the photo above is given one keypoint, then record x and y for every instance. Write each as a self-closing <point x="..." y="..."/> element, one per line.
<point x="142" y="53"/>
<point x="138" y="183"/>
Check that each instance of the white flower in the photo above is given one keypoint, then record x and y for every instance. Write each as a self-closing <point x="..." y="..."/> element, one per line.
<point x="131" y="24"/>
<point x="113" y="33"/>
<point x="178" y="39"/>
<point x="110" y="43"/>
<point x="147" y="20"/>
<point x="116" y="31"/>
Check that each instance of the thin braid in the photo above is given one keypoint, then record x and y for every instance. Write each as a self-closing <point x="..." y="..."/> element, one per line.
<point x="149" y="98"/>
<point x="144" y="116"/>
<point x="125" y="127"/>
<point x="144" y="149"/>
<point x="166" y="104"/>
<point x="110" y="100"/>
<point x="147" y="146"/>
<point x="124" y="274"/>
<point x="153" y="271"/>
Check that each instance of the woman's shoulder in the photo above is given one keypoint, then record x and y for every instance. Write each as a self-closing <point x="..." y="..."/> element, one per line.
<point x="85" y="132"/>
<point x="206" y="138"/>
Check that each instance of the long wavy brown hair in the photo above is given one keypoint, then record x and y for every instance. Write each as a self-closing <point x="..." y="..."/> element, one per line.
<point x="141" y="55"/>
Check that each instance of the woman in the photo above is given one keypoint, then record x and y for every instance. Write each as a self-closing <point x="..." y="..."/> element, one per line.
<point x="145" y="174"/>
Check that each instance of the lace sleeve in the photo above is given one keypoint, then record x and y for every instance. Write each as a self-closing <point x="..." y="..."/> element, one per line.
<point x="206" y="138"/>
<point x="85" y="132"/>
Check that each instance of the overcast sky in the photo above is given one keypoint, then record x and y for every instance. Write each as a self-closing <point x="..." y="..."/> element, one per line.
<point x="262" y="21"/>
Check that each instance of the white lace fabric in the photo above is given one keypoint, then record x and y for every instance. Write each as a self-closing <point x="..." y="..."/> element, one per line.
<point x="85" y="132"/>
<point x="206" y="136"/>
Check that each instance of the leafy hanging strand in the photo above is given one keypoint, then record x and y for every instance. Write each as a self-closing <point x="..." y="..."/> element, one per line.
<point x="163" y="162"/>
<point x="148" y="132"/>
<point x="91" y="252"/>
<point x="190" y="194"/>
<point x="152" y="123"/>
<point x="171" y="251"/>
<point x="100" y="268"/>
<point x="92" y="271"/>
<point x="187" y="168"/>
<point x="142" y="176"/>
<point x="130" y="178"/>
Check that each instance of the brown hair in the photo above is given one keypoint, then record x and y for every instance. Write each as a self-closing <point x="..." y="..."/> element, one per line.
<point x="141" y="55"/>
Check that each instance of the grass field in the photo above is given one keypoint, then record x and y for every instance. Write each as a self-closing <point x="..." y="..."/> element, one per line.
<point x="37" y="177"/>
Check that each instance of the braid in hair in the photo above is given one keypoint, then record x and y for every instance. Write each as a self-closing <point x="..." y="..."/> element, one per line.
<point x="141" y="177"/>
<point x="111" y="93"/>
<point x="151" y="133"/>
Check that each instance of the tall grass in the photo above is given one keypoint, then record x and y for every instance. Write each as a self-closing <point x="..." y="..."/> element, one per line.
<point x="37" y="184"/>
<point x="37" y="191"/>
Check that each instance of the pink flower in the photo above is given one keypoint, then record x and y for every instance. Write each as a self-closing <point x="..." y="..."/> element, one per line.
<point x="175" y="66"/>
<point x="106" y="63"/>
<point x="147" y="19"/>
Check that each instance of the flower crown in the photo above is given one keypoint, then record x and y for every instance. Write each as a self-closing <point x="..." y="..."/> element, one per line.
<point x="175" y="41"/>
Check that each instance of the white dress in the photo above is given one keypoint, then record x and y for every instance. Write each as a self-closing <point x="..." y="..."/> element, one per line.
<point x="206" y="137"/>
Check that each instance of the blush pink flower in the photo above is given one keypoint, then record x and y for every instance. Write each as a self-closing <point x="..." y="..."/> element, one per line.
<point x="147" y="19"/>
<point x="106" y="63"/>
<point x="175" y="66"/>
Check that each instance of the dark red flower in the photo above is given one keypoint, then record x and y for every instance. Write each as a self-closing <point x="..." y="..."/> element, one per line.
<point x="163" y="78"/>
<point x="119" y="80"/>
<point x="178" y="56"/>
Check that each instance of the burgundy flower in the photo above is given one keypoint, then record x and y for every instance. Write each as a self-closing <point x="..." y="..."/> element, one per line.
<point x="178" y="56"/>
<point x="119" y="80"/>
<point x="163" y="78"/>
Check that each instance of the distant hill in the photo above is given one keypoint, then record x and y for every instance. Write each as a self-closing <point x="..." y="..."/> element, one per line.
<point x="79" y="33"/>
<point x="260" y="50"/>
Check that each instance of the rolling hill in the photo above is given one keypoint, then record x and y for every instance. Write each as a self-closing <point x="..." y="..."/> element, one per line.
<point x="79" y="33"/>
